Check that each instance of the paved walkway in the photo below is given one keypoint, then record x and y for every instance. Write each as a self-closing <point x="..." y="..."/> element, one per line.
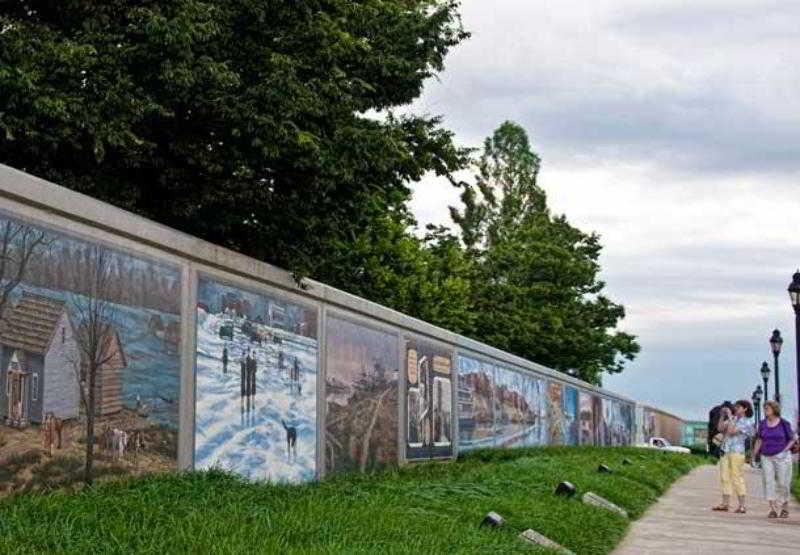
<point x="682" y="522"/>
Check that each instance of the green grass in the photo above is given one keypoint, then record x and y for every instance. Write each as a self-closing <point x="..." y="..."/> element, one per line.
<point x="431" y="508"/>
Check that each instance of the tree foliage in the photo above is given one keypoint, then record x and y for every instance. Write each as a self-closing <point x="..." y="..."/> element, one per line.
<point x="246" y="122"/>
<point x="535" y="285"/>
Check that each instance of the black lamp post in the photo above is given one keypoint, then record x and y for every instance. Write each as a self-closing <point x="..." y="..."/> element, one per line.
<point x="794" y="295"/>
<point x="775" y="343"/>
<point x="757" y="401"/>
<point x="765" y="377"/>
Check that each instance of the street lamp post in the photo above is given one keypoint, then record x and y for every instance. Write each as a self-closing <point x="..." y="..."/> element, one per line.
<point x="794" y="295"/>
<point x="757" y="401"/>
<point x="775" y="343"/>
<point x="765" y="377"/>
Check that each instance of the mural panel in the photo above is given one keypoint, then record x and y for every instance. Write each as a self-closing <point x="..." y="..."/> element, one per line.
<point x="519" y="409"/>
<point x="602" y="415"/>
<point x="256" y="384"/>
<point x="588" y="424"/>
<point x="429" y="401"/>
<point x="362" y="396"/>
<point x="89" y="338"/>
<point x="570" y="408"/>
<point x="475" y="404"/>
<point x="556" y="416"/>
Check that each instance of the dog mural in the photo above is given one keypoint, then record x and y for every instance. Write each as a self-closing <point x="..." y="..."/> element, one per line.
<point x="291" y="441"/>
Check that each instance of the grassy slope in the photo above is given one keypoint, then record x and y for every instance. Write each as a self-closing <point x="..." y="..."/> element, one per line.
<point x="432" y="508"/>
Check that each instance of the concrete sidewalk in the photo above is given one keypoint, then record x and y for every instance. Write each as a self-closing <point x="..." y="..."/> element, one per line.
<point x="682" y="521"/>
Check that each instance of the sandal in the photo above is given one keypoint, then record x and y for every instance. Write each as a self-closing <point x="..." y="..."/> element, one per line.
<point x="772" y="514"/>
<point x="724" y="508"/>
<point x="784" y="513"/>
<point x="740" y="510"/>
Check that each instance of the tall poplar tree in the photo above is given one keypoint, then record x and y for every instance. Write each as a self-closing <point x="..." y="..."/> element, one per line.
<point x="535" y="286"/>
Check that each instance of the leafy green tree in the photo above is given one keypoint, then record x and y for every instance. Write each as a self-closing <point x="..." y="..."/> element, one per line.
<point x="536" y="288"/>
<point x="249" y="123"/>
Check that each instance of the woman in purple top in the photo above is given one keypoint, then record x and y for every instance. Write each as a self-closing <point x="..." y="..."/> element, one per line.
<point x="774" y="441"/>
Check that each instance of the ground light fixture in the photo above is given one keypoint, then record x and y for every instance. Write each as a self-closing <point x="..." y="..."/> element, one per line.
<point x="567" y="489"/>
<point x="604" y="469"/>
<point x="493" y="520"/>
<point x="775" y="344"/>
<point x="765" y="376"/>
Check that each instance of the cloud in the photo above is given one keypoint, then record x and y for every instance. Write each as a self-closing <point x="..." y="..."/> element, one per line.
<point x="673" y="130"/>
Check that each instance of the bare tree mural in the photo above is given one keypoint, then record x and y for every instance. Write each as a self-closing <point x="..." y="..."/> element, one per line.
<point x="19" y="245"/>
<point x="94" y="319"/>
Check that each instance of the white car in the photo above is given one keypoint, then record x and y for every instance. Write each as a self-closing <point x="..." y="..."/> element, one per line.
<point x="664" y="445"/>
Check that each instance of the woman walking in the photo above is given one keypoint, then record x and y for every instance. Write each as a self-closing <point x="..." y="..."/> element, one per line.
<point x="774" y="441"/>
<point x="735" y="428"/>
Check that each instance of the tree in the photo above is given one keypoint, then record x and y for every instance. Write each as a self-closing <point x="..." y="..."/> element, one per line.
<point x="536" y="287"/>
<point x="428" y="278"/>
<point x="20" y="244"/>
<point x="94" y="319"/>
<point x="249" y="123"/>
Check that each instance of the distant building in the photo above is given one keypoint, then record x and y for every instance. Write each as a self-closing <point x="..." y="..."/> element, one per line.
<point x="38" y="354"/>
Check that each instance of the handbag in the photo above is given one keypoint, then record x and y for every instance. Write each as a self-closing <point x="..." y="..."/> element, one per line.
<point x="718" y="439"/>
<point x="787" y="432"/>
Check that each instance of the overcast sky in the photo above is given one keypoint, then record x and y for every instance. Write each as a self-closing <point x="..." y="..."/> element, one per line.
<point x="673" y="130"/>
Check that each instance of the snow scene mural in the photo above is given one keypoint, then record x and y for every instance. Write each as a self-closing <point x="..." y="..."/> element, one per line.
<point x="361" y="386"/>
<point x="89" y="344"/>
<point x="475" y="404"/>
<point x="520" y="409"/>
<point x="256" y="384"/>
<point x="429" y="401"/>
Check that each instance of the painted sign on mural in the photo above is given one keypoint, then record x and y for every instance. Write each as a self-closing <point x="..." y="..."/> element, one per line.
<point x="519" y="408"/>
<point x="429" y="401"/>
<point x="89" y="336"/>
<point x="475" y="409"/>
<point x="361" y="387"/>
<point x="256" y="384"/>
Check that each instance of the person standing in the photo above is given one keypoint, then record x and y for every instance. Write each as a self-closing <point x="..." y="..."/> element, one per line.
<point x="774" y="441"/>
<point x="251" y="374"/>
<point x="243" y="365"/>
<point x="736" y="427"/>
<point x="225" y="359"/>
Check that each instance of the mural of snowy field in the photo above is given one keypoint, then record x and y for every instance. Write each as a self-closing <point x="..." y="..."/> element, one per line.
<point x="267" y="431"/>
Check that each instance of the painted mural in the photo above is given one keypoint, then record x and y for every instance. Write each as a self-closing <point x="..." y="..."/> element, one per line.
<point x="520" y="409"/>
<point x="362" y="397"/>
<point x="256" y="384"/>
<point x="562" y="414"/>
<point x="429" y="401"/>
<point x="89" y="339"/>
<point x="621" y="424"/>
<point x="570" y="407"/>
<point x="588" y="427"/>
<point x="475" y="404"/>
<point x="556" y="417"/>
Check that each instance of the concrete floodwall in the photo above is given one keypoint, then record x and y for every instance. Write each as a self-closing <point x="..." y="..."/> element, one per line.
<point x="209" y="358"/>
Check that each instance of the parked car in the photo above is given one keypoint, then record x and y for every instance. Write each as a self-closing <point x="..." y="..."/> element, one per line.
<point x="664" y="445"/>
